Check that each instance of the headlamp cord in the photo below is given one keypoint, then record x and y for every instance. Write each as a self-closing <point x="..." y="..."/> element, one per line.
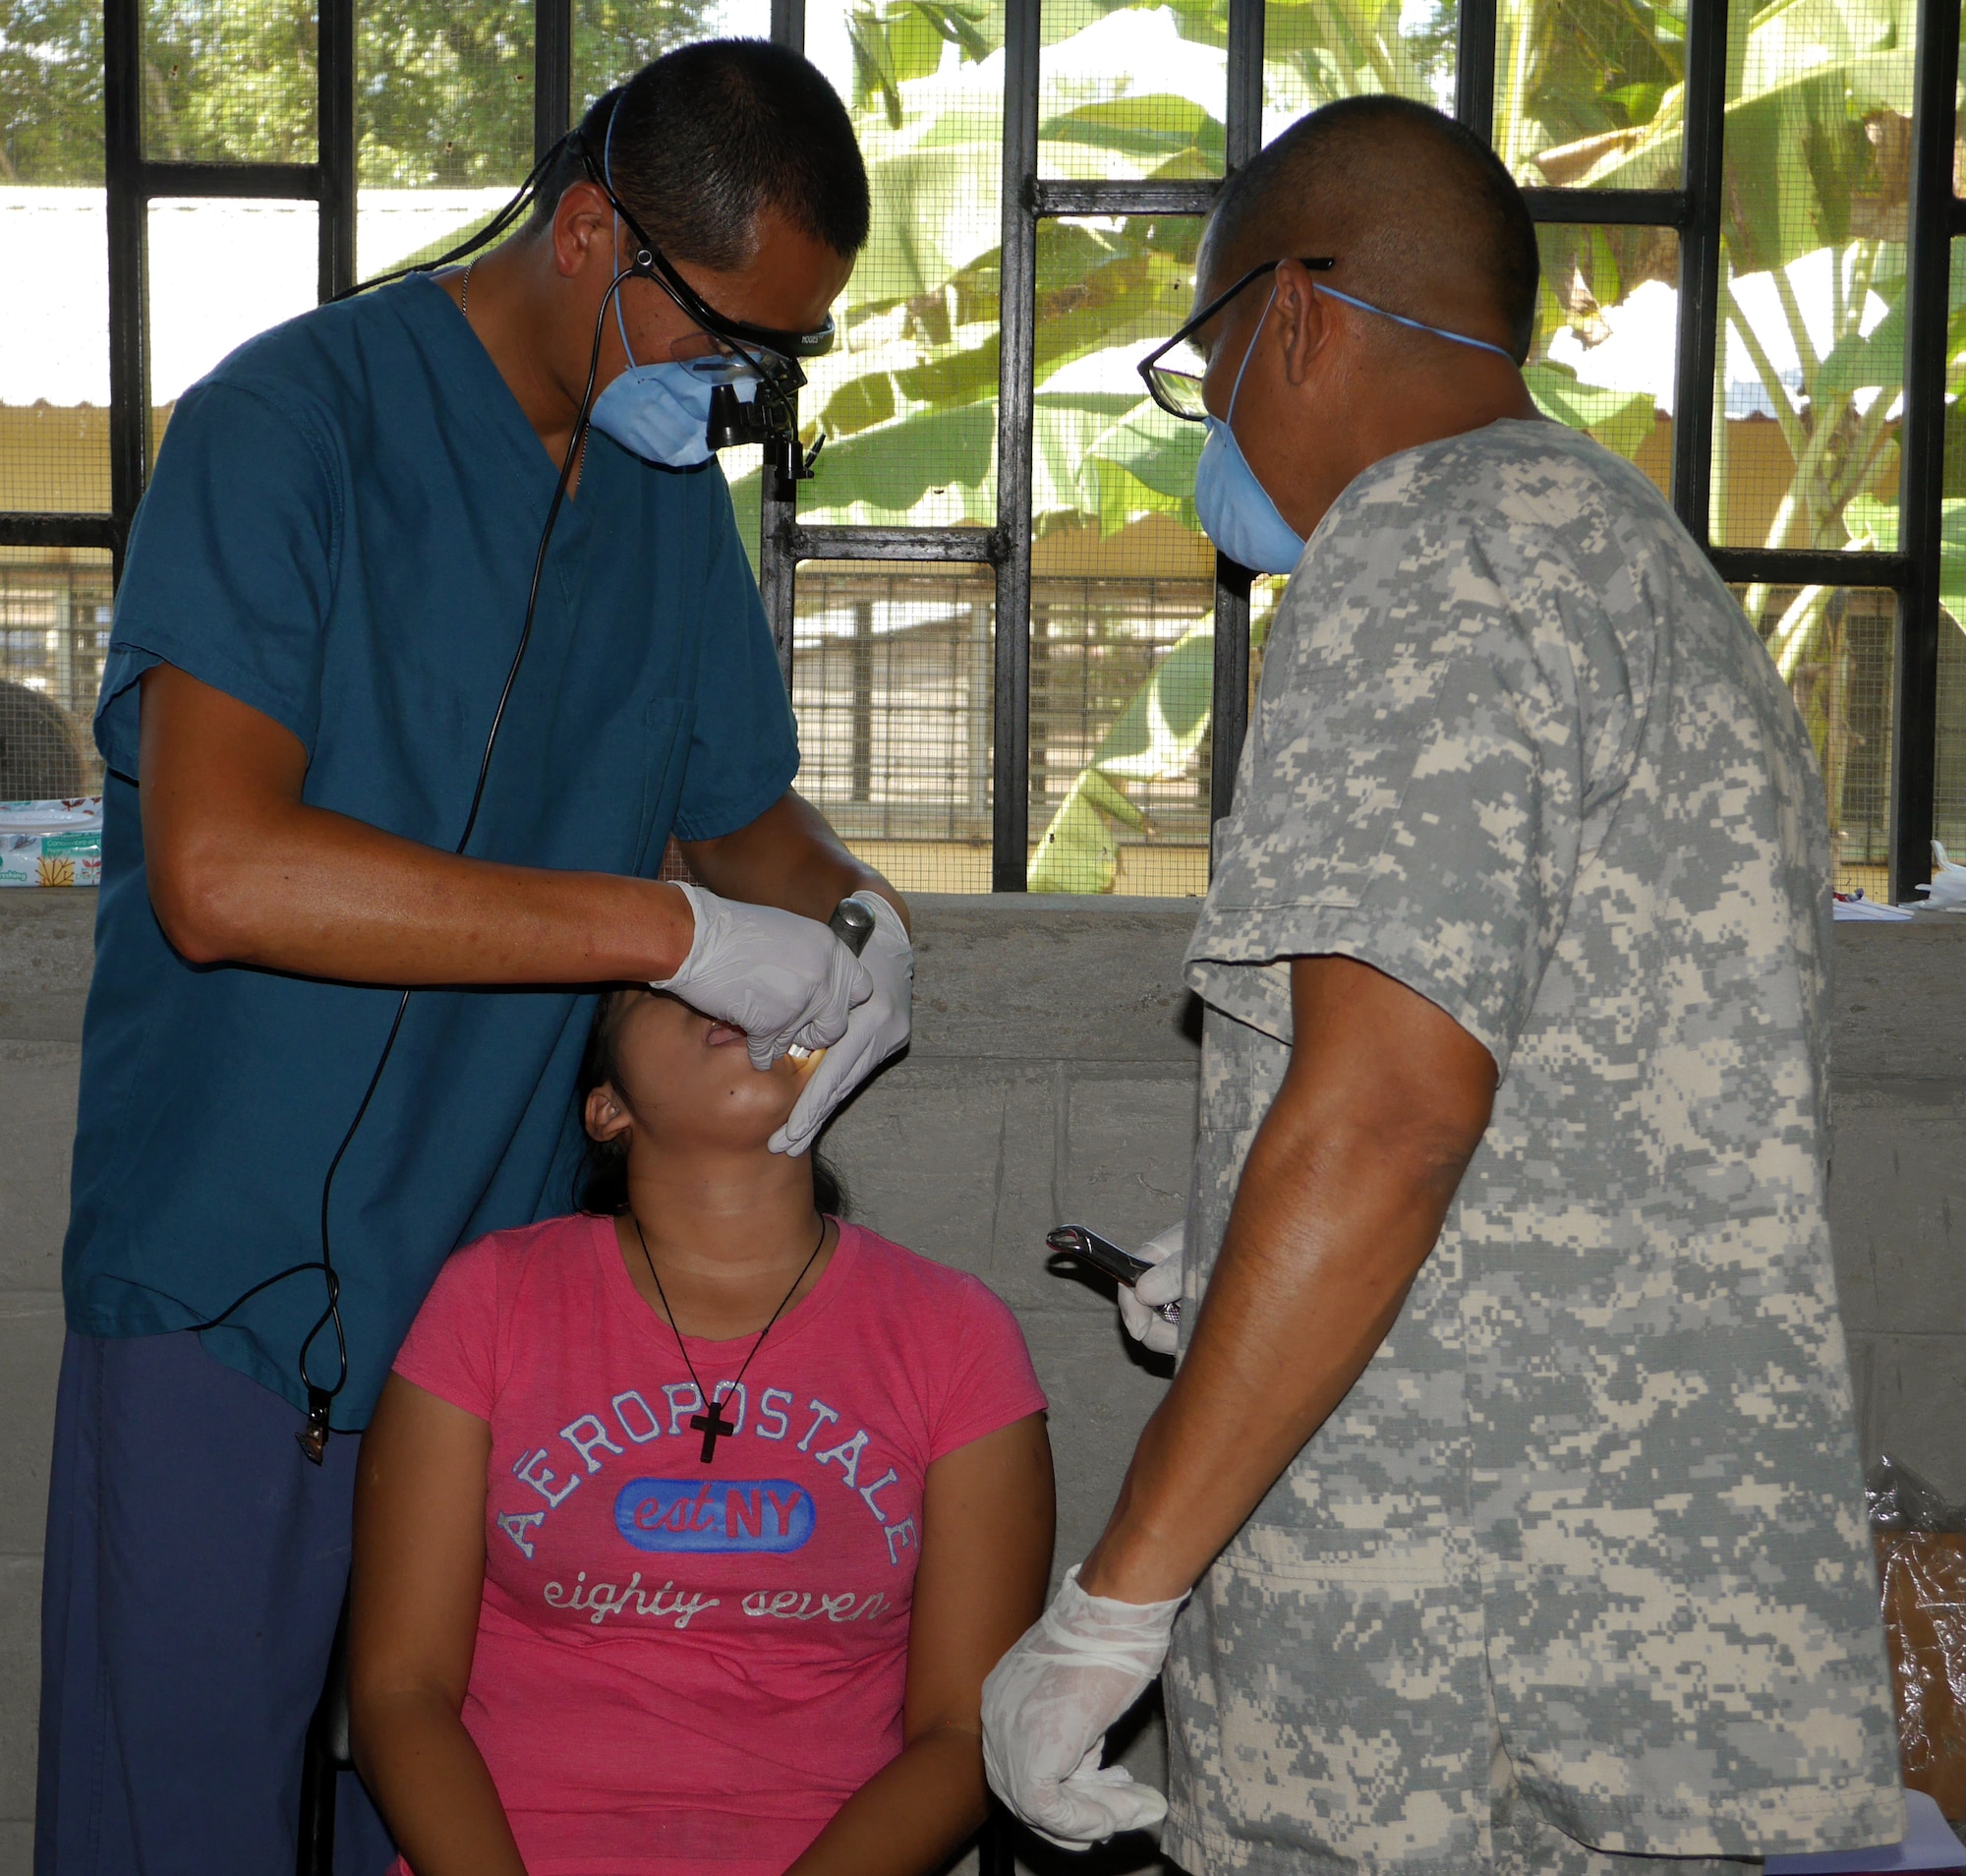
<point x="313" y="1437"/>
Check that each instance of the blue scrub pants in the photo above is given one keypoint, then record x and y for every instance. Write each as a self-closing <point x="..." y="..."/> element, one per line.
<point x="195" y="1564"/>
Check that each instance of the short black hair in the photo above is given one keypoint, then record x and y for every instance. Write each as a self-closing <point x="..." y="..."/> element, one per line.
<point x="600" y="1183"/>
<point x="1404" y="195"/>
<point x="704" y="139"/>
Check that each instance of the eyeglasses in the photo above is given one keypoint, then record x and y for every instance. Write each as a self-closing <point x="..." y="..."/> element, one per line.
<point x="771" y="356"/>
<point x="1175" y="386"/>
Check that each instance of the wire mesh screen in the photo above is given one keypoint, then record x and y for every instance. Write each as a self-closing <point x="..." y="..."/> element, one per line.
<point x="1586" y="92"/>
<point x="613" y="39"/>
<point x="54" y="633"/>
<point x="892" y="683"/>
<point x="1949" y="793"/>
<point x="1121" y="676"/>
<point x="1314" y="53"/>
<point x="1123" y="591"/>
<point x="1817" y="171"/>
<point x="1836" y="648"/>
<point x="908" y="398"/>
<point x="1132" y="91"/>
<point x="196" y="241"/>
<point x="1607" y="337"/>
<point x="54" y="263"/>
<point x="54" y="357"/>
<point x="229" y="81"/>
<point x="443" y="123"/>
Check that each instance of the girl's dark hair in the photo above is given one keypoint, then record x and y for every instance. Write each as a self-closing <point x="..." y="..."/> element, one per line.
<point x="600" y="1184"/>
<point x="707" y="137"/>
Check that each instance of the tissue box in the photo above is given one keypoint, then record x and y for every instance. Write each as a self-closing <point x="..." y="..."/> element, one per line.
<point x="52" y="843"/>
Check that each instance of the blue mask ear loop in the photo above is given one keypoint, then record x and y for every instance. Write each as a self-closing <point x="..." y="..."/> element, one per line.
<point x="1419" y="325"/>
<point x="1249" y="352"/>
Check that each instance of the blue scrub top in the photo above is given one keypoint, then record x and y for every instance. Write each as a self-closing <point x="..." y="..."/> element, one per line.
<point x="340" y="533"/>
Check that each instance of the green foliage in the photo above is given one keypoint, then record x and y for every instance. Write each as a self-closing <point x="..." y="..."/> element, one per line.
<point x="1153" y="739"/>
<point x="1619" y="420"/>
<point x="230" y="81"/>
<point x="1817" y="149"/>
<point x="612" y="38"/>
<point x="444" y="93"/>
<point x="52" y="92"/>
<point x="1315" y="51"/>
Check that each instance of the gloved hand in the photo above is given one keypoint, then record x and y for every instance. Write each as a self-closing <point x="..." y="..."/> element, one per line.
<point x="779" y="977"/>
<point x="876" y="1030"/>
<point x="1046" y="1705"/>
<point x="1139" y="1307"/>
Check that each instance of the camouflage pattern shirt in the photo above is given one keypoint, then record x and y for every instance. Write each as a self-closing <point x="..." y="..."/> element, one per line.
<point x="1584" y="1544"/>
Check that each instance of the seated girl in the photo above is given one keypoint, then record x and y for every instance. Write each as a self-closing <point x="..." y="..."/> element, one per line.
<point x="688" y="1526"/>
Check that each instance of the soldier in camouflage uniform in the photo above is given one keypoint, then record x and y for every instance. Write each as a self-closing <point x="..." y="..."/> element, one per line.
<point x="1573" y="1572"/>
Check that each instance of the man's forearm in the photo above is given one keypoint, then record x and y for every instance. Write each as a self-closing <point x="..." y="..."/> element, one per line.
<point x="1316" y="1261"/>
<point x="242" y="869"/>
<point x="323" y="896"/>
<point x="788" y="856"/>
<point x="1343" y="1194"/>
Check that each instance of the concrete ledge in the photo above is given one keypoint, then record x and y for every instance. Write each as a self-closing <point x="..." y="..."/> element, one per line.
<point x="1018" y="975"/>
<point x="47" y="950"/>
<point x="1900" y="997"/>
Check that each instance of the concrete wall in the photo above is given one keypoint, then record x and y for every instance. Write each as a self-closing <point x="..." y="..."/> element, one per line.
<point x="1052" y="1077"/>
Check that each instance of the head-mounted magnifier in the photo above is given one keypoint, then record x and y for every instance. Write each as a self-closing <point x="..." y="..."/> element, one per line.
<point x="768" y="356"/>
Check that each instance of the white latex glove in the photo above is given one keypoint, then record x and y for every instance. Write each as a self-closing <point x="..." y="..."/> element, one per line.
<point x="1139" y="1307"/>
<point x="781" y="978"/>
<point x="1046" y="1705"/>
<point x="876" y="1030"/>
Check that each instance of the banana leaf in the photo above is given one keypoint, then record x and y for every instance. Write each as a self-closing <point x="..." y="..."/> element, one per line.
<point x="1874" y="525"/>
<point x="1619" y="420"/>
<point x="1153" y="739"/>
<point x="1144" y="464"/>
<point x="1080" y="849"/>
<point x="881" y="476"/>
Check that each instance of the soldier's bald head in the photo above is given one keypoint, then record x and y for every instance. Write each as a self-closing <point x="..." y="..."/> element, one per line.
<point x="1422" y="217"/>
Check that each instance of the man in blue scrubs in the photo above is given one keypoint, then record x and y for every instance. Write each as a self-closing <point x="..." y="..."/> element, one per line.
<point x="325" y="590"/>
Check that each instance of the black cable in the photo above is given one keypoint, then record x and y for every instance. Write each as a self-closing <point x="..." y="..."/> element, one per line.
<point x="313" y="1437"/>
<point x="492" y="229"/>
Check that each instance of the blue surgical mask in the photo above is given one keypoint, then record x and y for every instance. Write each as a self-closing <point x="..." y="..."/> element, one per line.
<point x="661" y="412"/>
<point x="1235" y="508"/>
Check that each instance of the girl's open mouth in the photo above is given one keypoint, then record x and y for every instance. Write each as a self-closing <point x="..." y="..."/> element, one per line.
<point x="720" y="1035"/>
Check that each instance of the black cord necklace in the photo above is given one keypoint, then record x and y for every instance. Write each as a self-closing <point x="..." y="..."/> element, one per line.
<point x="711" y="1423"/>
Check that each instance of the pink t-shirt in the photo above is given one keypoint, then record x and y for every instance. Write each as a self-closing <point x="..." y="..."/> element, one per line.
<point x="684" y="1667"/>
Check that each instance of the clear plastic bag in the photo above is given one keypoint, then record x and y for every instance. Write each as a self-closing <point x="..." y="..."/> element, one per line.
<point x="1920" y="1541"/>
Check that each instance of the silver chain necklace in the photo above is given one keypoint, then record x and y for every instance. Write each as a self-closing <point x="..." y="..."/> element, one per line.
<point x="464" y="292"/>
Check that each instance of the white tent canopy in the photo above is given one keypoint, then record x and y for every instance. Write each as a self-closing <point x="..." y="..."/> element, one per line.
<point x="220" y="271"/>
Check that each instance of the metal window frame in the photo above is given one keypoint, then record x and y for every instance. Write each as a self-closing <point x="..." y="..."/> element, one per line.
<point x="1934" y="218"/>
<point x="131" y="183"/>
<point x="1693" y="210"/>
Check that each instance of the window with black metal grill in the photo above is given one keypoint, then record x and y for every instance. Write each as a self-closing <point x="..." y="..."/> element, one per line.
<point x="1017" y="663"/>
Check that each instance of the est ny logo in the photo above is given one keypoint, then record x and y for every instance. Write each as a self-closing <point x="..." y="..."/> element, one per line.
<point x="719" y="1517"/>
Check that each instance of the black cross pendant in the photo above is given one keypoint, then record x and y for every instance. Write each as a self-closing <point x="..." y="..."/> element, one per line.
<point x="713" y="1427"/>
